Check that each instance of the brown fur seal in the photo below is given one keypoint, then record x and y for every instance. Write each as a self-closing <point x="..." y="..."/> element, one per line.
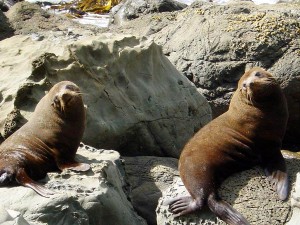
<point x="48" y="141"/>
<point x="249" y="133"/>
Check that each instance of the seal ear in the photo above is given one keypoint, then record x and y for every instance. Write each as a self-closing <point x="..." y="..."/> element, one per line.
<point x="257" y="74"/>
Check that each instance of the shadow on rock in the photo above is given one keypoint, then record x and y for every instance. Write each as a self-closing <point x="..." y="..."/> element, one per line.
<point x="148" y="177"/>
<point x="5" y="29"/>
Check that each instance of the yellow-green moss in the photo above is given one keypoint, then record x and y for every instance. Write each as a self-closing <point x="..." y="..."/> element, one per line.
<point x="266" y="26"/>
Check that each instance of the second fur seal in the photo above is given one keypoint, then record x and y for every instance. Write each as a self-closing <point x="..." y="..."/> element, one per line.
<point x="250" y="133"/>
<point x="48" y="141"/>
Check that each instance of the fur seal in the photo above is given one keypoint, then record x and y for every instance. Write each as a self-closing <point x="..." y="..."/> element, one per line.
<point x="250" y="133"/>
<point x="48" y="141"/>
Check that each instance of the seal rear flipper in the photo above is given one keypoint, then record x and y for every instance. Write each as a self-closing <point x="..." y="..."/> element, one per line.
<point x="76" y="166"/>
<point x="23" y="179"/>
<point x="183" y="205"/>
<point x="225" y="212"/>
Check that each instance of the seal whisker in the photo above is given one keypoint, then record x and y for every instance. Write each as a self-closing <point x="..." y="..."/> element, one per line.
<point x="81" y="93"/>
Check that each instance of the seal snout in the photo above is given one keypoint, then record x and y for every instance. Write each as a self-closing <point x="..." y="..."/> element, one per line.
<point x="246" y="84"/>
<point x="252" y="79"/>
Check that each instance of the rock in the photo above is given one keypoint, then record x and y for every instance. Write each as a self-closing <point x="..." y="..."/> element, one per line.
<point x="5" y="28"/>
<point x="248" y="192"/>
<point x="148" y="177"/>
<point x="295" y="202"/>
<point x="138" y="103"/>
<point x="29" y="18"/>
<point x="87" y="198"/>
<point x="5" y="5"/>
<point x="214" y="44"/>
<point x="131" y="9"/>
<point x="10" y="217"/>
<point x="288" y="72"/>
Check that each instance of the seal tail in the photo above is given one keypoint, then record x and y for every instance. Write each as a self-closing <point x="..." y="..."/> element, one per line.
<point x="224" y="211"/>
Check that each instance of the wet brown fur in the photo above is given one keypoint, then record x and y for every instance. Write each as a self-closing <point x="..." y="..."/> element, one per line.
<point x="249" y="133"/>
<point x="48" y="141"/>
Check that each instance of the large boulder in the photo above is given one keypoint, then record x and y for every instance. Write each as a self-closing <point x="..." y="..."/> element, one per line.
<point x="131" y="9"/>
<point x="137" y="102"/>
<point x="214" y="44"/>
<point x="148" y="177"/>
<point x="249" y="192"/>
<point x="29" y="18"/>
<point x="94" y="197"/>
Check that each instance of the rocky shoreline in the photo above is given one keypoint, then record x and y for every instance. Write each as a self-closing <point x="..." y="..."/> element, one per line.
<point x="151" y="79"/>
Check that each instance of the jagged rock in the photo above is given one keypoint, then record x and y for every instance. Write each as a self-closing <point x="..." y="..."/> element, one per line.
<point x="248" y="192"/>
<point x="148" y="177"/>
<point x="137" y="102"/>
<point x="214" y="44"/>
<point x="131" y="9"/>
<point x="94" y="197"/>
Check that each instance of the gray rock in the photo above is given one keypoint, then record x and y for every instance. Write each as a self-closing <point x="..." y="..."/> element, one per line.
<point x="94" y="197"/>
<point x="131" y="9"/>
<point x="249" y="192"/>
<point x="137" y="102"/>
<point x="148" y="177"/>
<point x="27" y="18"/>
<point x="214" y="44"/>
<point x="5" y="5"/>
<point x="11" y="217"/>
<point x="295" y="202"/>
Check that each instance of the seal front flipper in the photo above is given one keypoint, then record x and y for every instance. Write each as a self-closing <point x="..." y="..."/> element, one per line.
<point x="23" y="179"/>
<point x="183" y="205"/>
<point x="76" y="166"/>
<point x="224" y="211"/>
<point x="275" y="170"/>
<point x="279" y="181"/>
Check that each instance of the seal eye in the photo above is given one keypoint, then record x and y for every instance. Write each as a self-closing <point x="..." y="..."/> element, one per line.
<point x="258" y="74"/>
<point x="71" y="87"/>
